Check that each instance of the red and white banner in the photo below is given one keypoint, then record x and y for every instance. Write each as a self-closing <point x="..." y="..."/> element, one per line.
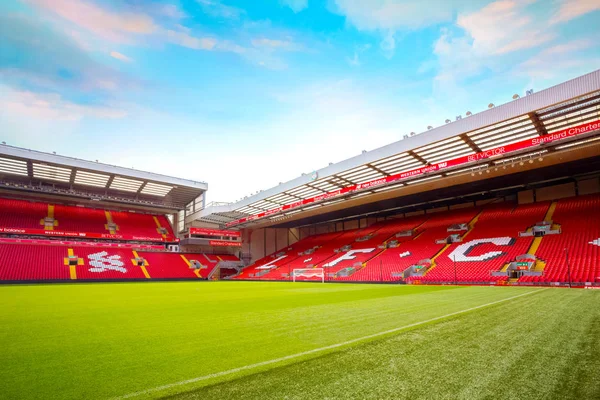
<point x="498" y="151"/>
<point x="48" y="242"/>
<point x="89" y="235"/>
<point x="224" y="243"/>
<point x="214" y="232"/>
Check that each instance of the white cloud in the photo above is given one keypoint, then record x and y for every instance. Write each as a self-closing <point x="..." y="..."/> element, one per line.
<point x="124" y="27"/>
<point x="215" y="8"/>
<point x="355" y="61"/>
<point x="566" y="59"/>
<point x="295" y="5"/>
<point x="120" y="56"/>
<point x="456" y="57"/>
<point x="388" y="44"/>
<point x="51" y="106"/>
<point x="112" y="26"/>
<point x="498" y="29"/>
<point x="136" y="25"/>
<point x="571" y="9"/>
<point x="565" y="48"/>
<point x="171" y="11"/>
<point x="502" y="27"/>
<point x="286" y="44"/>
<point x="395" y="14"/>
<point x="389" y="16"/>
<point x="184" y="39"/>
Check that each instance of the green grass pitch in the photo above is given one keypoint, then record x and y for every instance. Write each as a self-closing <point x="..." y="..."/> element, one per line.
<point x="259" y="340"/>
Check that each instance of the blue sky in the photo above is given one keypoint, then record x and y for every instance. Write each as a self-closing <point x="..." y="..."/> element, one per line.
<point x="246" y="94"/>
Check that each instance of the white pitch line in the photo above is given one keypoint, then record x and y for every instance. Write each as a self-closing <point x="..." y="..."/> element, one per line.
<point x="317" y="350"/>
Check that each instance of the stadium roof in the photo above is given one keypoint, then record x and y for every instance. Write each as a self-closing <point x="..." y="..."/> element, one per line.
<point x="536" y="115"/>
<point x="29" y="170"/>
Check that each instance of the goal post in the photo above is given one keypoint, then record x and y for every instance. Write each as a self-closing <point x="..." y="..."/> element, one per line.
<point x="308" y="273"/>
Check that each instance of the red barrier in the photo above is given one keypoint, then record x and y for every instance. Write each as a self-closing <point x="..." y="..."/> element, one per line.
<point x="224" y="243"/>
<point x="47" y="242"/>
<point x="88" y="235"/>
<point x="214" y="232"/>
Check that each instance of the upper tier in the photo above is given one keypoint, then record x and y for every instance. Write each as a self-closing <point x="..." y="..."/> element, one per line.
<point x="37" y="218"/>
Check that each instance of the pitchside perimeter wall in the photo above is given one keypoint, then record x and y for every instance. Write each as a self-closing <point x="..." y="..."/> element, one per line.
<point x="262" y="242"/>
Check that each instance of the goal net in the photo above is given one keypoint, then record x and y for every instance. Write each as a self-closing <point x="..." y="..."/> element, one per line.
<point x="308" y="273"/>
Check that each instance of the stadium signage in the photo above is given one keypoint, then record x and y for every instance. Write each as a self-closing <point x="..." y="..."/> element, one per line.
<point x="223" y="243"/>
<point x="371" y="184"/>
<point x="327" y="195"/>
<point x="88" y="235"/>
<point x="213" y="232"/>
<point x="487" y="154"/>
<point x="82" y="244"/>
<point x="498" y="151"/>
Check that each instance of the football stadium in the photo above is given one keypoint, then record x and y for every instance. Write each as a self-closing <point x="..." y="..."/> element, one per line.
<point x="453" y="263"/>
<point x="457" y="261"/>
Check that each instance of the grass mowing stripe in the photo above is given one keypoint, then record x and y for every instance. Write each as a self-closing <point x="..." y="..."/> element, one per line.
<point x="317" y="350"/>
<point x="536" y="347"/>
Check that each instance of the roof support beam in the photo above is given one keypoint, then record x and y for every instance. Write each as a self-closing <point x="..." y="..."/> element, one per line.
<point x="470" y="142"/>
<point x="335" y="184"/>
<point x="142" y="186"/>
<point x="293" y="195"/>
<point x="417" y="157"/>
<point x="539" y="126"/>
<point x="374" y="168"/>
<point x="276" y="202"/>
<point x="109" y="182"/>
<point x="344" y="180"/>
<point x="316" y="188"/>
<point x="30" y="169"/>
<point x="72" y="177"/>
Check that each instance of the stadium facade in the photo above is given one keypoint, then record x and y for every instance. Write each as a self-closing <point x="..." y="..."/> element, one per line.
<point x="520" y="150"/>
<point x="538" y="154"/>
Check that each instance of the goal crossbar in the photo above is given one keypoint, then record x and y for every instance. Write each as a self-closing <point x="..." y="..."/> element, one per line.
<point x="308" y="273"/>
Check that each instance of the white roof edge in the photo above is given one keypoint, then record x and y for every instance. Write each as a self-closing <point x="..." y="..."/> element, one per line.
<point x="98" y="167"/>
<point x="215" y="210"/>
<point x="562" y="92"/>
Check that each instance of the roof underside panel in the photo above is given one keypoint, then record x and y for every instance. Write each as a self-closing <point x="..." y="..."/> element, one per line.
<point x="27" y="170"/>
<point x="514" y="129"/>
